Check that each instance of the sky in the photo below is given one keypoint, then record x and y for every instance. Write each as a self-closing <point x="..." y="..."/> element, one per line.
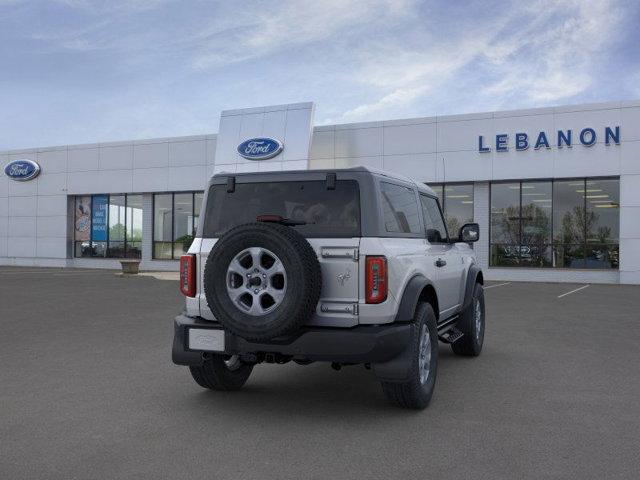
<point x="80" y="71"/>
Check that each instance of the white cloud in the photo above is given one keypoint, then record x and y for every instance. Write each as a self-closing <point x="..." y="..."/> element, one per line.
<point x="397" y="98"/>
<point x="544" y="52"/>
<point x="406" y="76"/>
<point x="554" y="63"/>
<point x="254" y="33"/>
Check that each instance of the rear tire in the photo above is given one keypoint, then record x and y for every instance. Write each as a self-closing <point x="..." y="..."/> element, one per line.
<point x="221" y="372"/>
<point x="417" y="391"/>
<point x="472" y="325"/>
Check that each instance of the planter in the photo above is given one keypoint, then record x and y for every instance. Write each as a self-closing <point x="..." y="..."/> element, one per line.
<point x="130" y="267"/>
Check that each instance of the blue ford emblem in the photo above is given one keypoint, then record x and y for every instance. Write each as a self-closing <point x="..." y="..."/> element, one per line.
<point x="260" y="148"/>
<point x="22" y="170"/>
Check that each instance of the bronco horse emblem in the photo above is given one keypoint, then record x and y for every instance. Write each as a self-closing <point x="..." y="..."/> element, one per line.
<point x="343" y="277"/>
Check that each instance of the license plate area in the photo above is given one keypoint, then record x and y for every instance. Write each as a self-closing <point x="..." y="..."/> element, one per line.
<point x="206" y="339"/>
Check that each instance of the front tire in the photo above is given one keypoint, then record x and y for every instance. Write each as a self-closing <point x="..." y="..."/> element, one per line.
<point x="222" y="372"/>
<point x="417" y="391"/>
<point x="472" y="326"/>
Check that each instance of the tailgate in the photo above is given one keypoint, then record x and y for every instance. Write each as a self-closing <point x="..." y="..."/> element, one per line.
<point x="339" y="262"/>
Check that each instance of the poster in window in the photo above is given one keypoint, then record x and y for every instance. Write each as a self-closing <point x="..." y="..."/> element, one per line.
<point x="83" y="219"/>
<point x="99" y="218"/>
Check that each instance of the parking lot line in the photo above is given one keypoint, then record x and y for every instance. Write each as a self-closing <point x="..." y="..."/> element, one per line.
<point x="497" y="285"/>
<point x="573" y="291"/>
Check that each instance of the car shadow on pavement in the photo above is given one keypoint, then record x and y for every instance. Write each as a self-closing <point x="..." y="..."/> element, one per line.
<point x="287" y="390"/>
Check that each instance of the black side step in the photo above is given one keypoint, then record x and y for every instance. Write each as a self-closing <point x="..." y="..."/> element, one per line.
<point x="451" y="335"/>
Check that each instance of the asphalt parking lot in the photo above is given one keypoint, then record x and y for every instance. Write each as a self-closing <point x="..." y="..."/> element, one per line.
<point x="88" y="390"/>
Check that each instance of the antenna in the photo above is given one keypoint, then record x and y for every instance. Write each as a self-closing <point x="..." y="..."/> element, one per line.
<point x="444" y="171"/>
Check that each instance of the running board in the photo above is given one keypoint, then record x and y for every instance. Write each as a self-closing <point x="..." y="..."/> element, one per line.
<point x="451" y="336"/>
<point x="447" y="331"/>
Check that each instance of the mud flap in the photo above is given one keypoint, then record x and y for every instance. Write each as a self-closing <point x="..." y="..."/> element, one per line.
<point x="398" y="369"/>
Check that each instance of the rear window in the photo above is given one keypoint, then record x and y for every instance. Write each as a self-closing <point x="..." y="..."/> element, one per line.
<point x="322" y="212"/>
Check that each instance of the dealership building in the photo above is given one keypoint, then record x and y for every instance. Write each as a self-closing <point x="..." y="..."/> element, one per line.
<point x="556" y="190"/>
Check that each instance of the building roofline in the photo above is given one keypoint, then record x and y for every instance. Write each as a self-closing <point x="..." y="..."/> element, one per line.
<point x="568" y="108"/>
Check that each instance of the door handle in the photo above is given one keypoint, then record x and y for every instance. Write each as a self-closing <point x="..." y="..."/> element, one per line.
<point x="440" y="263"/>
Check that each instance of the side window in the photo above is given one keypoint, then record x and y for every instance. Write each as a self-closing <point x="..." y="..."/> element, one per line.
<point x="436" y="230"/>
<point x="400" y="209"/>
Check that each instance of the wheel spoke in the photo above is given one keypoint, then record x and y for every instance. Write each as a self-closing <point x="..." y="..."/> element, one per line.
<point x="277" y="295"/>
<point x="256" y="308"/>
<point x="424" y="354"/>
<point x="256" y="255"/>
<point x="236" y="267"/>
<point x="236" y="293"/>
<point x="276" y="268"/>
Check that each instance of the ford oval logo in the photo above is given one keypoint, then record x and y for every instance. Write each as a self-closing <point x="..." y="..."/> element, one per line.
<point x="22" y="170"/>
<point x="260" y="148"/>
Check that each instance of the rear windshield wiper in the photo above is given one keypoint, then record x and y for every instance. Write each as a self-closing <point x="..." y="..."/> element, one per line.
<point x="279" y="219"/>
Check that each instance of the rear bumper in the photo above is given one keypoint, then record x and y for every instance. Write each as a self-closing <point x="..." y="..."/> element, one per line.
<point x="360" y="344"/>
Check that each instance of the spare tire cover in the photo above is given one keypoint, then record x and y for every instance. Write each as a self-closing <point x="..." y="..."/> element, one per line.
<point x="262" y="280"/>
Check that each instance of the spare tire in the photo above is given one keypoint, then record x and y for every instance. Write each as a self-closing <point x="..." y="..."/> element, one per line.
<point x="262" y="280"/>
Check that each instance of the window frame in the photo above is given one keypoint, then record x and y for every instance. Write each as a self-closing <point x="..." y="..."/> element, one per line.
<point x="173" y="215"/>
<point x="424" y="220"/>
<point x="383" y="229"/>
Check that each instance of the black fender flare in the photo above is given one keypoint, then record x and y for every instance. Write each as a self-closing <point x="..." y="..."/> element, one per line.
<point x="472" y="278"/>
<point x="410" y="296"/>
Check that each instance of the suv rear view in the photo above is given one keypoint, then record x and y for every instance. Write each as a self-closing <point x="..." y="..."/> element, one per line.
<point x="320" y="266"/>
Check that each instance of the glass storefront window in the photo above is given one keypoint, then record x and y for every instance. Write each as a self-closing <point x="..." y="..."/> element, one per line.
<point x="456" y="200"/>
<point x="182" y="223"/>
<point x="563" y="224"/>
<point x="569" y="223"/>
<point x="108" y="226"/>
<point x="175" y="220"/>
<point x="535" y="249"/>
<point x="197" y="208"/>
<point x="505" y="224"/>
<point x="603" y="223"/>
<point x="117" y="219"/>
<point x="162" y="225"/>
<point x="458" y="206"/>
<point x="134" y="226"/>
<point x="82" y="226"/>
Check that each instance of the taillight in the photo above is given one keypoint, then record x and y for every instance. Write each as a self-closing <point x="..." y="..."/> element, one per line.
<point x="376" y="279"/>
<point x="188" y="275"/>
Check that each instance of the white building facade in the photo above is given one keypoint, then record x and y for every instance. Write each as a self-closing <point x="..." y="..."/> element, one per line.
<point x="556" y="191"/>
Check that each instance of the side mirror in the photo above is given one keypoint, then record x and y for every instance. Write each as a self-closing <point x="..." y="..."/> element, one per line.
<point x="470" y="232"/>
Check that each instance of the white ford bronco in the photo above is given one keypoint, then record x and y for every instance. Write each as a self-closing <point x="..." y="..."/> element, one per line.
<point x="350" y="266"/>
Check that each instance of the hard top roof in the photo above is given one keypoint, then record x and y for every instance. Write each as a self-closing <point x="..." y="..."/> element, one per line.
<point x="373" y="171"/>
